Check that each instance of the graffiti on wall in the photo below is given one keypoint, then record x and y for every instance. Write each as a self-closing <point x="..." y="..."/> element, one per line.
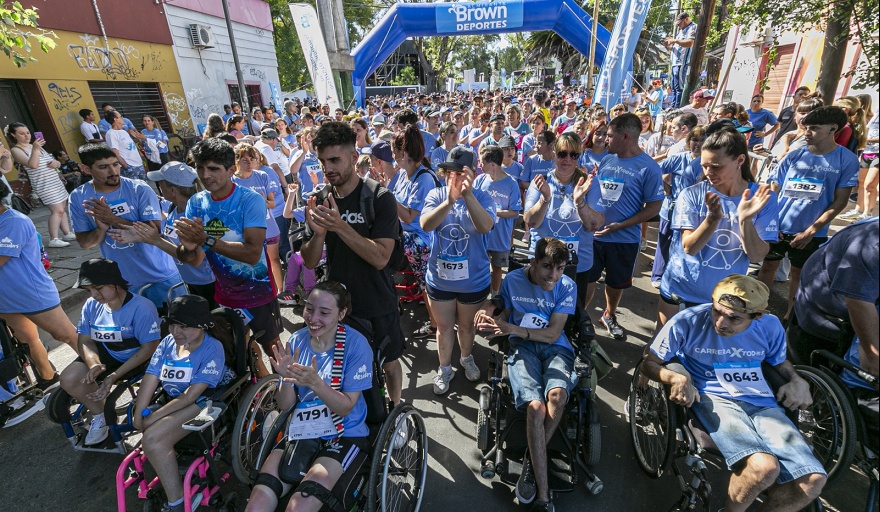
<point x="200" y="106"/>
<point x="64" y="97"/>
<point x="178" y="114"/>
<point x="115" y="61"/>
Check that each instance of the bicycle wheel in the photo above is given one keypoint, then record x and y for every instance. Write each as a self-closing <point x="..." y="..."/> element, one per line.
<point x="257" y="408"/>
<point x="652" y="424"/>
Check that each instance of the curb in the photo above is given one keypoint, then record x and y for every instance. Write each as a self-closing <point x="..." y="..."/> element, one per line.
<point x="71" y="297"/>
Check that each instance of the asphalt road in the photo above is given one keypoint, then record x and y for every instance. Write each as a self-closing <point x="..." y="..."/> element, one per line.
<point x="41" y="472"/>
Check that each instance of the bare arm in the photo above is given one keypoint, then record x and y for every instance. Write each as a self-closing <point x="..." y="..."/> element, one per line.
<point x="841" y="198"/>
<point x="681" y="388"/>
<point x="479" y="216"/>
<point x="498" y="325"/>
<point x="864" y="319"/>
<point x="431" y="219"/>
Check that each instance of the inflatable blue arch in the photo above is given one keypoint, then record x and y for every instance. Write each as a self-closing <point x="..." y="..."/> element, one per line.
<point x="403" y="20"/>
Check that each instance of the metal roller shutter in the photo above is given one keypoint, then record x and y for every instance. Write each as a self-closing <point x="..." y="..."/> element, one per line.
<point x="133" y="99"/>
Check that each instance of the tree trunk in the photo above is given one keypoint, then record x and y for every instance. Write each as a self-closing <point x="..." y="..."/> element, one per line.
<point x="833" y="54"/>
<point x="707" y="10"/>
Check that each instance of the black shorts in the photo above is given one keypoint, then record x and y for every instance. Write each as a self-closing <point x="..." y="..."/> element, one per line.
<point x="349" y="452"/>
<point x="677" y="302"/>
<point x="387" y="326"/>
<point x="618" y="260"/>
<point x="798" y="257"/>
<point x="462" y="298"/>
<point x="264" y="321"/>
<point x="206" y="291"/>
<point x="112" y="364"/>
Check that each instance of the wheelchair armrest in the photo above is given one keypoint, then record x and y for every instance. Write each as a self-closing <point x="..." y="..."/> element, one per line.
<point x="502" y="343"/>
<point x="843" y="363"/>
<point x="118" y="390"/>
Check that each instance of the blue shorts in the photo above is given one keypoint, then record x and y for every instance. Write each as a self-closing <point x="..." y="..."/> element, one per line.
<point x="536" y="368"/>
<point x="740" y="429"/>
<point x="158" y="292"/>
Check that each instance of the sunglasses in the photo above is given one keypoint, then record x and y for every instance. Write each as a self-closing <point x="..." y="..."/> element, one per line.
<point x="574" y="155"/>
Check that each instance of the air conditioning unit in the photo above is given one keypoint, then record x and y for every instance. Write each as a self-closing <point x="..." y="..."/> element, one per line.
<point x="201" y="36"/>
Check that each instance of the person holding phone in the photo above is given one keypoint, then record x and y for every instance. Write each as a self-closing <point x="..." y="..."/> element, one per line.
<point x="42" y="172"/>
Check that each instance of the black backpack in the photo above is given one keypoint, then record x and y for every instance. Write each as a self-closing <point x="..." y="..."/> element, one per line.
<point x="369" y="191"/>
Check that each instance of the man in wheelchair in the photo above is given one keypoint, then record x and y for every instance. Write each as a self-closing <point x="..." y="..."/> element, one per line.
<point x="537" y="302"/>
<point x="188" y="364"/>
<point x="722" y="346"/>
<point x="324" y="368"/>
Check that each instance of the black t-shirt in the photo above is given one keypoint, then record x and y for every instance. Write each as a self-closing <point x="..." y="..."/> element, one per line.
<point x="372" y="291"/>
<point x="786" y="123"/>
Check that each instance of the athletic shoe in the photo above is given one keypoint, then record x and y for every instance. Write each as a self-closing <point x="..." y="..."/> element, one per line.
<point x="425" y="331"/>
<point x="526" y="489"/>
<point x="655" y="284"/>
<point x="98" y="431"/>
<point x="401" y="433"/>
<point x="70" y="237"/>
<point x="442" y="380"/>
<point x="861" y="216"/>
<point x="851" y="214"/>
<point x="471" y="370"/>
<point x="173" y="508"/>
<point x="543" y="506"/>
<point x="643" y="244"/>
<point x="287" y="299"/>
<point x="47" y="384"/>
<point x="57" y="243"/>
<point x="610" y="323"/>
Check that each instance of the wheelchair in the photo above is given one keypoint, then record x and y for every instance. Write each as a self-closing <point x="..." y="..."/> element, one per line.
<point x="392" y="479"/>
<point x="199" y="453"/>
<point x="664" y="433"/>
<point x="576" y="444"/>
<point x="20" y="397"/>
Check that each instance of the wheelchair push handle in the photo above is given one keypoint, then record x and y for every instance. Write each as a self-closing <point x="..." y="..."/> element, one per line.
<point x="835" y="359"/>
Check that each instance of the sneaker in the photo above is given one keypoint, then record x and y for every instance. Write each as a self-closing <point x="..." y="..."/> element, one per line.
<point x="98" y="431"/>
<point x="425" y="331"/>
<point x="526" y="489"/>
<point x="543" y="506"/>
<point x="851" y="214"/>
<point x="610" y="323"/>
<point x="643" y="244"/>
<point x="401" y="433"/>
<point x="57" y="243"/>
<point x="861" y="216"/>
<point x="47" y="384"/>
<point x="173" y="508"/>
<point x="70" y="237"/>
<point x="442" y="380"/>
<point x="471" y="370"/>
<point x="288" y="299"/>
<point x="655" y="284"/>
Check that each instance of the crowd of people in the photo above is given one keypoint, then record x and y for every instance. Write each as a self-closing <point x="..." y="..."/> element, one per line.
<point x="438" y="185"/>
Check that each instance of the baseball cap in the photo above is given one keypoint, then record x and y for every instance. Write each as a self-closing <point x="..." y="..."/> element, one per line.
<point x="507" y="142"/>
<point x="703" y="93"/>
<point x="269" y="134"/>
<point x="190" y="311"/>
<point x="570" y="100"/>
<point x="432" y="113"/>
<point x="682" y="15"/>
<point x="99" y="272"/>
<point x="496" y="117"/>
<point x="459" y="158"/>
<point x="753" y="295"/>
<point x="378" y="119"/>
<point x="382" y="150"/>
<point x="176" y="173"/>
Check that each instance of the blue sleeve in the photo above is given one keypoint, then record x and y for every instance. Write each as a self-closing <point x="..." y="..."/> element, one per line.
<point x="514" y="198"/>
<point x="653" y="185"/>
<point x="145" y="323"/>
<point x="210" y="368"/>
<point x="155" y="367"/>
<point x="81" y="221"/>
<point x="687" y="211"/>
<point x="505" y="293"/>
<point x="849" y="170"/>
<point x="83" y="326"/>
<point x="358" y="366"/>
<point x="668" y="165"/>
<point x="532" y="196"/>
<point x="526" y="174"/>
<point x="423" y="186"/>
<point x="433" y="200"/>
<point x="767" y="220"/>
<point x="778" y="175"/>
<point x="667" y="342"/>
<point x="15" y="238"/>
<point x="254" y="210"/>
<point x="488" y="203"/>
<point x="163" y="136"/>
<point x="776" y="336"/>
<point x="148" y="203"/>
<point x="771" y="118"/>
<point x="566" y="299"/>
<point x="594" y="197"/>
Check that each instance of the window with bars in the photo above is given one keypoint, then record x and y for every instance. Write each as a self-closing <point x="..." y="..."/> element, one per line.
<point x="133" y="100"/>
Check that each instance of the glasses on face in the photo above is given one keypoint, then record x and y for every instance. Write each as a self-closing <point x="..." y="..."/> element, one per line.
<point x="574" y="155"/>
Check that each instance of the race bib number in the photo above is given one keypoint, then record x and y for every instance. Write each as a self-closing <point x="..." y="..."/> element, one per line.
<point x="452" y="270"/>
<point x="245" y="315"/>
<point x="742" y="379"/>
<point x="313" y="169"/>
<point x="107" y="333"/>
<point x="534" y="321"/>
<point x="311" y="420"/>
<point x="176" y="371"/>
<point x="119" y="207"/>
<point x="611" y="189"/>
<point x="170" y="231"/>
<point x="808" y="189"/>
<point x="573" y="245"/>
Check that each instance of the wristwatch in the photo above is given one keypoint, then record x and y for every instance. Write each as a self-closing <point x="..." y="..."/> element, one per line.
<point x="209" y="243"/>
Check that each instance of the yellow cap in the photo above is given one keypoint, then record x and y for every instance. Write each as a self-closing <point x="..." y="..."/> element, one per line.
<point x="752" y="293"/>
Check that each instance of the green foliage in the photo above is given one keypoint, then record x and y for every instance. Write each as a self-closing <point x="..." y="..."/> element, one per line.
<point x="510" y="58"/>
<point x="19" y="30"/>
<point x="407" y="76"/>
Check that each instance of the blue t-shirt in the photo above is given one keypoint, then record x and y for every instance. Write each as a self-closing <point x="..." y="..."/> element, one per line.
<point x="190" y="274"/>
<point x="808" y="183"/>
<point x="531" y="306"/>
<point x="458" y="261"/>
<point x="506" y="196"/>
<point x="276" y="187"/>
<point x="589" y="159"/>
<point x="849" y="378"/>
<point x="534" y="165"/>
<point x="515" y="171"/>
<point x="429" y="140"/>
<point x="27" y="287"/>
<point x="239" y="285"/>
<point x="693" y="278"/>
<point x="654" y="108"/>
<point x="438" y="156"/>
<point x="310" y="164"/>
<point x="133" y="200"/>
<point x="103" y="125"/>
<point x="122" y="331"/>
<point x="760" y="120"/>
<point x="260" y="183"/>
<point x="159" y="136"/>
<point x="412" y="194"/>
<point x="357" y="374"/>
<point x="627" y="184"/>
<point x="206" y="364"/>
<point x="690" y="335"/>
<point x="528" y="143"/>
<point x="562" y="220"/>
<point x="685" y="169"/>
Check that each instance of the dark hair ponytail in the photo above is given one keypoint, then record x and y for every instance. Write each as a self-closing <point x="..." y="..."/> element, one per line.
<point x="410" y="142"/>
<point x="731" y="143"/>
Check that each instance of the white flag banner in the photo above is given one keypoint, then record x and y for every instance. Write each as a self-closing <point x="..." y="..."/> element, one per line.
<point x="309" y="31"/>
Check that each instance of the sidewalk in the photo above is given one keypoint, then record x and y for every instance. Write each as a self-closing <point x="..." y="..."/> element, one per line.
<point x="65" y="261"/>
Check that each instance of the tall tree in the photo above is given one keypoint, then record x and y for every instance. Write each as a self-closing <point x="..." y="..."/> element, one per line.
<point x="19" y="30"/>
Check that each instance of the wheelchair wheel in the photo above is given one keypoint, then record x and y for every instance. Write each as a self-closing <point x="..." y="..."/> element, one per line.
<point x="399" y="463"/>
<point x="248" y="434"/>
<point x="591" y="447"/>
<point x="829" y="424"/>
<point x="652" y="424"/>
<point x="482" y="431"/>
<point x="60" y="407"/>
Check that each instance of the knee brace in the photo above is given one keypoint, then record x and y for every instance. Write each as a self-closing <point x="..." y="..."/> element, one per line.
<point x="271" y="482"/>
<point x="309" y="488"/>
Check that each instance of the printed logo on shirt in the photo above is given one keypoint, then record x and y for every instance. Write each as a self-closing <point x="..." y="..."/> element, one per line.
<point x="363" y="373"/>
<point x="211" y="369"/>
<point x="216" y="228"/>
<point x="154" y="328"/>
<point x="730" y="352"/>
<point x="353" y="218"/>
<point x="7" y="243"/>
<point x="540" y="302"/>
<point x="149" y="210"/>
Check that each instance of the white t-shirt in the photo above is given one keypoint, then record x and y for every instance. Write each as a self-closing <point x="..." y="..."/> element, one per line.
<point x="701" y="113"/>
<point x="121" y="141"/>
<point x="272" y="156"/>
<point x="90" y="131"/>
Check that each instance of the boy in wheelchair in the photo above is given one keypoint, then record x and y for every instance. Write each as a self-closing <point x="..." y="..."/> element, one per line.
<point x="188" y="364"/>
<point x="324" y="368"/>
<point x="722" y="345"/>
<point x="538" y="300"/>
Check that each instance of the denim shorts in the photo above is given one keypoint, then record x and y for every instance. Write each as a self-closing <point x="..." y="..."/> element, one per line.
<point x="740" y="429"/>
<point x="536" y="368"/>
